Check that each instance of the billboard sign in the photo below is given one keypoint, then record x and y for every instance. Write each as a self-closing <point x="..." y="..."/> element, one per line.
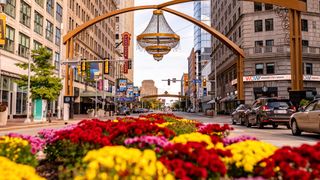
<point x="122" y="84"/>
<point x="130" y="90"/>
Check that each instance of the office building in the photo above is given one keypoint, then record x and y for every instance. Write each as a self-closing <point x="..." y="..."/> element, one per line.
<point x="30" y="24"/>
<point x="262" y="31"/>
<point x="202" y="48"/>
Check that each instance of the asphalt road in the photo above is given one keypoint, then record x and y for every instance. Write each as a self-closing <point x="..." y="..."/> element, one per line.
<point x="279" y="137"/>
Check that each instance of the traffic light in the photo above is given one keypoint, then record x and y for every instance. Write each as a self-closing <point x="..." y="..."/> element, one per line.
<point x="79" y="69"/>
<point x="169" y="82"/>
<point x="186" y="82"/>
<point x="106" y="66"/>
<point x="204" y="82"/>
<point x="83" y="65"/>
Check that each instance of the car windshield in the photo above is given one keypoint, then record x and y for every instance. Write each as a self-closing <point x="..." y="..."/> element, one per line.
<point x="279" y="104"/>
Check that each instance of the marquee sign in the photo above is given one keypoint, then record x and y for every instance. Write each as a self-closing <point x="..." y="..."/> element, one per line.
<point x="126" y="38"/>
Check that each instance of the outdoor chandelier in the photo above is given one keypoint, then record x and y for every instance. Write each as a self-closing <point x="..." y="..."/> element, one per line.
<point x="158" y="38"/>
<point x="158" y="57"/>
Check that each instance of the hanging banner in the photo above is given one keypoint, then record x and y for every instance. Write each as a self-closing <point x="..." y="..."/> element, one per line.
<point x="136" y="91"/>
<point x="130" y="90"/>
<point x="122" y="84"/>
<point x="126" y="38"/>
<point x="2" y="29"/>
<point x="106" y="85"/>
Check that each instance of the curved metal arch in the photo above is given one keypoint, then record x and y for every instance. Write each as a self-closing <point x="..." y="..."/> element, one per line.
<point x="209" y="29"/>
<point x="163" y="95"/>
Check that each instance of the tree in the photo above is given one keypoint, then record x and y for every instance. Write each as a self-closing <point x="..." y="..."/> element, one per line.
<point x="43" y="83"/>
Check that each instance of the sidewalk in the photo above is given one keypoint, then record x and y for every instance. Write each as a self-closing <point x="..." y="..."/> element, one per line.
<point x="20" y="124"/>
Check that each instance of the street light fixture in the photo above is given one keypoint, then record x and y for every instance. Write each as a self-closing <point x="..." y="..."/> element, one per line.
<point x="28" y="120"/>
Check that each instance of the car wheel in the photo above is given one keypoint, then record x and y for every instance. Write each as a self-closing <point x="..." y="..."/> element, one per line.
<point x="295" y="129"/>
<point x="259" y="123"/>
<point x="242" y="121"/>
<point x="247" y="123"/>
<point x="275" y="126"/>
<point x="233" y="121"/>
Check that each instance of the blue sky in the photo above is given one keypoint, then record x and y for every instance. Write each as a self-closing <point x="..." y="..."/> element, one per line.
<point x="173" y="64"/>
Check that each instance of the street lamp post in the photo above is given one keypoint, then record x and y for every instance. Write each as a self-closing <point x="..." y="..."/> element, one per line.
<point x="28" y="92"/>
<point x="215" y="88"/>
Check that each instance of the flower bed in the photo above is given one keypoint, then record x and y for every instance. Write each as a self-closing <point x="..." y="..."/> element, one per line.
<point x="154" y="146"/>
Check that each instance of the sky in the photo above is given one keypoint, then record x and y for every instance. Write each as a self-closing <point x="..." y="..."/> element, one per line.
<point x="174" y="64"/>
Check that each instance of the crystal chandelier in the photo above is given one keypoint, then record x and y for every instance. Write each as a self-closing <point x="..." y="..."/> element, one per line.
<point x="158" y="38"/>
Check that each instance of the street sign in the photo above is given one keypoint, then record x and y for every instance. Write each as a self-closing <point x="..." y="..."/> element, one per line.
<point x="211" y="93"/>
<point x="174" y="80"/>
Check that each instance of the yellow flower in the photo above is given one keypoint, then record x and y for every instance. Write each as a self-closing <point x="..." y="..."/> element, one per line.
<point x="196" y="137"/>
<point x="113" y="161"/>
<point x="11" y="170"/>
<point x="247" y="154"/>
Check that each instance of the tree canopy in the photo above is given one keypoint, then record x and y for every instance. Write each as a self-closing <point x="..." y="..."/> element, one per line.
<point x="44" y="83"/>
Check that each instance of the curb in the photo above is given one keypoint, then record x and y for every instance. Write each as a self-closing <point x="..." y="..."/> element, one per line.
<point x="43" y="124"/>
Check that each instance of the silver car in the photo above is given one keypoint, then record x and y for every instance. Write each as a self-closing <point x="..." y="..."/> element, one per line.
<point x="307" y="120"/>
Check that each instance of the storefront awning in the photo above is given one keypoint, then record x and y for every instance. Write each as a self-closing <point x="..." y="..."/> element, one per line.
<point x="93" y="94"/>
<point x="212" y="101"/>
<point x="228" y="99"/>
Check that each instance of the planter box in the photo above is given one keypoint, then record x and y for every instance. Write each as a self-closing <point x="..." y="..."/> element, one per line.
<point x="4" y="117"/>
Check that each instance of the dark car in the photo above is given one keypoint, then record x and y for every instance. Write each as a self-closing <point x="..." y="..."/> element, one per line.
<point x="238" y="116"/>
<point x="269" y="111"/>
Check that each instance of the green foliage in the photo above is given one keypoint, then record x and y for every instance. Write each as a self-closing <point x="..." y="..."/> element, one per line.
<point x="182" y="127"/>
<point x="303" y="102"/>
<point x="43" y="83"/>
<point x="151" y="104"/>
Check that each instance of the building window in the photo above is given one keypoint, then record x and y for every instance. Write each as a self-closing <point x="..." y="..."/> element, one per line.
<point x="59" y="13"/>
<point x="258" y="46"/>
<point x="25" y="14"/>
<point x="258" y="26"/>
<point x="57" y="60"/>
<point x="38" y="23"/>
<point x="9" y="46"/>
<point x="24" y="45"/>
<point x="49" y="31"/>
<point x="10" y="8"/>
<point x="304" y="25"/>
<point x="270" y="68"/>
<point x="36" y="45"/>
<point x="259" y="69"/>
<point x="269" y="24"/>
<point x="58" y="36"/>
<point x="40" y="2"/>
<point x="268" y="7"/>
<point x="50" y="7"/>
<point x="309" y="68"/>
<point x="257" y="6"/>
<point x="269" y="45"/>
<point x="305" y="43"/>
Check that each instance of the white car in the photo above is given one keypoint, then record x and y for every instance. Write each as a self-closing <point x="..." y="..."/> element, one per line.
<point x="307" y="120"/>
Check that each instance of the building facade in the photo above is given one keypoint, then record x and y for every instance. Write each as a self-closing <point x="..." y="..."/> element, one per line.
<point x="125" y="23"/>
<point x="148" y="88"/>
<point x="202" y="47"/>
<point x="192" y="77"/>
<point x="262" y="31"/>
<point x="95" y="43"/>
<point x="30" y="24"/>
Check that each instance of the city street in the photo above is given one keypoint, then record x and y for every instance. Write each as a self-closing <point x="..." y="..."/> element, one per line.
<point x="279" y="137"/>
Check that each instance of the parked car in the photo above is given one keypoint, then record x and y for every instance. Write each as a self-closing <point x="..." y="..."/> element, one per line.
<point x="308" y="120"/>
<point x="238" y="116"/>
<point x="123" y="111"/>
<point x="269" y="111"/>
